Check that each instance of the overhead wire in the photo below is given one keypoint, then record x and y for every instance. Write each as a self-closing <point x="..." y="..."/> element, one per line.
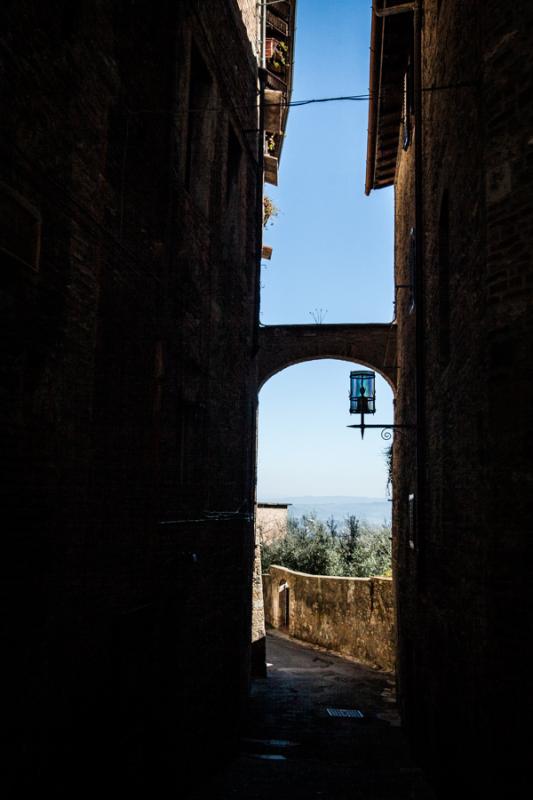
<point x="357" y="98"/>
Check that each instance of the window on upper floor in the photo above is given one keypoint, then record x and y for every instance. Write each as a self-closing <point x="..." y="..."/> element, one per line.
<point x="201" y="131"/>
<point x="444" y="280"/>
<point x="234" y="193"/>
<point x="233" y="166"/>
<point x="20" y="228"/>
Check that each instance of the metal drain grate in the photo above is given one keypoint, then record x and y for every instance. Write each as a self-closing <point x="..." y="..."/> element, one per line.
<point x="345" y="712"/>
<point x="281" y="743"/>
<point x="268" y="756"/>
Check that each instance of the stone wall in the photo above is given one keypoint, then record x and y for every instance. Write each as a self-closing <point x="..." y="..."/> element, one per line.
<point x="258" y="619"/>
<point x="351" y="616"/>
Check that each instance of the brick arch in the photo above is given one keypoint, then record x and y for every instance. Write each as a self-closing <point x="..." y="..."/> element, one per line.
<point x="373" y="345"/>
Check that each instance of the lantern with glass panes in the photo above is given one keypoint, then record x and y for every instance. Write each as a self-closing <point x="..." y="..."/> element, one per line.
<point x="362" y="392"/>
<point x="363" y="401"/>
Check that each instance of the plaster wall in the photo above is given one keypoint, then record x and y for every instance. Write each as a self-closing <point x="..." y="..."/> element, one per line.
<point x="270" y="523"/>
<point x="250" y="10"/>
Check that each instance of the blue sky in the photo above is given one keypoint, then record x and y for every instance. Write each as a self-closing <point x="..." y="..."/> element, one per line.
<point x="332" y="250"/>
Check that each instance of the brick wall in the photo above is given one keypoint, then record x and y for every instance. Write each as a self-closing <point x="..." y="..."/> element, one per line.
<point x="281" y="346"/>
<point x="462" y="587"/>
<point x="128" y="393"/>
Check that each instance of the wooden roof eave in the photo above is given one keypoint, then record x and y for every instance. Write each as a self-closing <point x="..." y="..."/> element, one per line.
<point x="375" y="69"/>
<point x="292" y="40"/>
<point x="387" y="66"/>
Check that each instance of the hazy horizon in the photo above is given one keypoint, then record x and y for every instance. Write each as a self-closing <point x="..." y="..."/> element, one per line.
<point x="375" y="510"/>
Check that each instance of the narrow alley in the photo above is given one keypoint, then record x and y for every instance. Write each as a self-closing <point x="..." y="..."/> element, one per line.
<point x="200" y="201"/>
<point x="294" y="748"/>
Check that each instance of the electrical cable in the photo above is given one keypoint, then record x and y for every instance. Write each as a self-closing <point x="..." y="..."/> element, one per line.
<point x="357" y="98"/>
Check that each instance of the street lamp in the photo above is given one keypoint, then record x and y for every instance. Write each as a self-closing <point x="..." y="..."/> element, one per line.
<point x="362" y="392"/>
<point x="363" y="401"/>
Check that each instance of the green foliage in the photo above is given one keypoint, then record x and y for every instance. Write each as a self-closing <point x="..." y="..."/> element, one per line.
<point x="270" y="210"/>
<point x="389" y="461"/>
<point x="279" y="58"/>
<point x="356" y="549"/>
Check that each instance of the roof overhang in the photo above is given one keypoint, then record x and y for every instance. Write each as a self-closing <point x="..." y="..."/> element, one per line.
<point x="389" y="43"/>
<point x="280" y="24"/>
<point x="289" y="10"/>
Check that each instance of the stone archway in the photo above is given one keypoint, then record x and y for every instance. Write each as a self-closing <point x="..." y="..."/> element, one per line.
<point x="281" y="346"/>
<point x="373" y="345"/>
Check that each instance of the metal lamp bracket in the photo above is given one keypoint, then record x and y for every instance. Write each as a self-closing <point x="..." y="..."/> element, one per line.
<point x="386" y="430"/>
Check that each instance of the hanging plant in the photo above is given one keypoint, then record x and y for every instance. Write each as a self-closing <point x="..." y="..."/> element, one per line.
<point x="279" y="57"/>
<point x="388" y="453"/>
<point x="271" y="142"/>
<point x="269" y="210"/>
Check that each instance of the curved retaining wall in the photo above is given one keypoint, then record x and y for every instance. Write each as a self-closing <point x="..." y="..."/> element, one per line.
<point x="352" y="616"/>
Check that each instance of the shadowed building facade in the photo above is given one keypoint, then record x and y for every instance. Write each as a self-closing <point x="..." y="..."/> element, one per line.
<point x="130" y="185"/>
<point x="450" y="127"/>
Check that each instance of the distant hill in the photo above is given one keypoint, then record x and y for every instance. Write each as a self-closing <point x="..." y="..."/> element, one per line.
<point x="371" y="509"/>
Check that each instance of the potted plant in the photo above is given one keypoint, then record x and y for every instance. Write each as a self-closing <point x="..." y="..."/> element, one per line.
<point x="277" y="55"/>
<point x="270" y="46"/>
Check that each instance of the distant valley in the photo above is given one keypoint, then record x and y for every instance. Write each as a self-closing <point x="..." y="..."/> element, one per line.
<point x="372" y="509"/>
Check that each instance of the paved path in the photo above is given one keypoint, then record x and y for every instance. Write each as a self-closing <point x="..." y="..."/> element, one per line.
<point x="293" y="749"/>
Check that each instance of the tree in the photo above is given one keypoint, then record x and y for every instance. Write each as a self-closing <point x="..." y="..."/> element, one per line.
<point x="358" y="549"/>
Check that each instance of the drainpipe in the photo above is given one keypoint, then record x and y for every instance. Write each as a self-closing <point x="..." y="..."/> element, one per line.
<point x="263" y="34"/>
<point x="419" y="301"/>
<point x="262" y="76"/>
